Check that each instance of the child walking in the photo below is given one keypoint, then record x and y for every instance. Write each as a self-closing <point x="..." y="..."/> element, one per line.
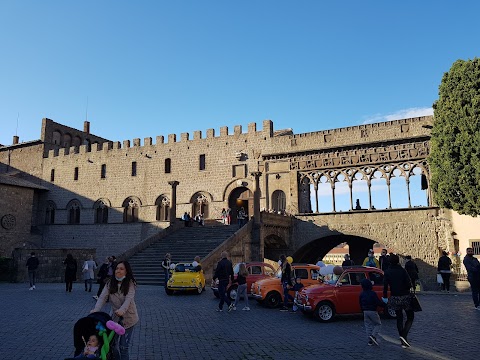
<point x="369" y="302"/>
<point x="242" y="287"/>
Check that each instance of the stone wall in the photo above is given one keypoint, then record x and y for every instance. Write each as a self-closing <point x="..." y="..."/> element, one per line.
<point x="51" y="268"/>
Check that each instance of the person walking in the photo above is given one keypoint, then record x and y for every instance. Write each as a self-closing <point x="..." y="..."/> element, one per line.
<point x="120" y="290"/>
<point x="370" y="260"/>
<point x="224" y="216"/>
<point x="286" y="281"/>
<point x="473" y="275"/>
<point x="369" y="302"/>
<point x="229" y="216"/>
<point x="242" y="287"/>
<point x="444" y="269"/>
<point x="224" y="274"/>
<point x="412" y="271"/>
<point x="88" y="270"/>
<point x="32" y="266"/>
<point x="241" y="217"/>
<point x="102" y="277"/>
<point x="397" y="279"/>
<point x="70" y="272"/>
<point x="167" y="260"/>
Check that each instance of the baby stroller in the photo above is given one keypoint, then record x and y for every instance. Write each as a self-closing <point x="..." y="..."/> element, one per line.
<point x="100" y="324"/>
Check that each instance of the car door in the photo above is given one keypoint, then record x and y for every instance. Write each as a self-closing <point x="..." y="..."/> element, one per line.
<point x="347" y="292"/>
<point x="255" y="272"/>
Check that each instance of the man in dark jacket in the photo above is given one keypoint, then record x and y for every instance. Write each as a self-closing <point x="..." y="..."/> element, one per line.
<point x="369" y="302"/>
<point x="473" y="272"/>
<point x="412" y="270"/>
<point x="400" y="284"/>
<point x="384" y="260"/>
<point x="32" y="265"/>
<point x="224" y="274"/>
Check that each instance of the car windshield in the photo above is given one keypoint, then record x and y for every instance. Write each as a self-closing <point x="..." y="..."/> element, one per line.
<point x="184" y="268"/>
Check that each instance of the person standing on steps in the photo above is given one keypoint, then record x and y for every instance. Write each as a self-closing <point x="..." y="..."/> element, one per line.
<point x="224" y="274"/>
<point x="166" y="267"/>
<point x="32" y="266"/>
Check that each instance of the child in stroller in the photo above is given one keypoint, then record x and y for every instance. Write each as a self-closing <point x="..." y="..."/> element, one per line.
<point x="100" y="330"/>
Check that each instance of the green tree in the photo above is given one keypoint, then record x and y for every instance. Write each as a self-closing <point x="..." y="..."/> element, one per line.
<point x="455" y="145"/>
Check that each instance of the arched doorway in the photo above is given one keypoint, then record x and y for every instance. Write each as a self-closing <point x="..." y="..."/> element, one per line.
<point x="279" y="201"/>
<point x="240" y="197"/>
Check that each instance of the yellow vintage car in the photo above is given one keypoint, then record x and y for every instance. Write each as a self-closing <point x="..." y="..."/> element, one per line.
<point x="186" y="277"/>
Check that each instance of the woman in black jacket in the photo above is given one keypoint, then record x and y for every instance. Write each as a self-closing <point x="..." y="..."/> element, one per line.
<point x="70" y="272"/>
<point x="400" y="300"/>
<point x="444" y="269"/>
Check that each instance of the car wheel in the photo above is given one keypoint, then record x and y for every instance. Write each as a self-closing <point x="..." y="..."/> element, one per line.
<point x="232" y="292"/>
<point x="273" y="299"/>
<point x="169" y="291"/>
<point x="390" y="313"/>
<point x="325" y="311"/>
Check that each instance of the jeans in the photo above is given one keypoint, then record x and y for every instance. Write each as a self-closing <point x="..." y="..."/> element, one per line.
<point x="372" y="322"/>
<point x="31" y="277"/>
<point x="475" y="286"/>
<point x="167" y="275"/>
<point x="242" y="291"/>
<point x="286" y="295"/>
<point x="446" y="281"/>
<point x="404" y="329"/>
<point x="89" y="282"/>
<point x="222" y="292"/>
<point x="122" y="345"/>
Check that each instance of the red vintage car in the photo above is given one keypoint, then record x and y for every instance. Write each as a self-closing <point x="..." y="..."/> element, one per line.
<point x="256" y="271"/>
<point x="340" y="296"/>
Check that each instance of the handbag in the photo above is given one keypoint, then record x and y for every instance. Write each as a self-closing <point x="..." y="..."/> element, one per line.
<point x="439" y="279"/>
<point x="414" y="303"/>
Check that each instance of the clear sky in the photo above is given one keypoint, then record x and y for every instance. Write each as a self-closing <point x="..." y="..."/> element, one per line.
<point x="158" y="67"/>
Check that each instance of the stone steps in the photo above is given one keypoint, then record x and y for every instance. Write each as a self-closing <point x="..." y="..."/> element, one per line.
<point x="183" y="245"/>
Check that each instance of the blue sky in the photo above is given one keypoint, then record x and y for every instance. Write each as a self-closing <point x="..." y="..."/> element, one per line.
<point x="158" y="67"/>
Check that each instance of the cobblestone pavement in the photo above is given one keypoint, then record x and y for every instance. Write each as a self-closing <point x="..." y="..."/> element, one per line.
<point x="39" y="325"/>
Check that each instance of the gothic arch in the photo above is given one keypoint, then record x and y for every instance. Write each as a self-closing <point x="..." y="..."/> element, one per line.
<point x="50" y="212"/>
<point x="73" y="212"/>
<point x="201" y="201"/>
<point x="163" y="208"/>
<point x="101" y="211"/>
<point x="232" y="185"/>
<point x="131" y="206"/>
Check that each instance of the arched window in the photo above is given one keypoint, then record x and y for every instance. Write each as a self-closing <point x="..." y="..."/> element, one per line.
<point x="101" y="211"/>
<point x="73" y="210"/>
<point x="279" y="202"/>
<point x="168" y="166"/>
<point x="200" y="205"/>
<point x="67" y="141"/>
<point x="57" y="137"/>
<point x="163" y="208"/>
<point x="77" y="141"/>
<point x="130" y="209"/>
<point x="50" y="213"/>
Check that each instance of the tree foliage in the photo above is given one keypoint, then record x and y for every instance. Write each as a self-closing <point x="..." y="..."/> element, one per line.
<point x="455" y="145"/>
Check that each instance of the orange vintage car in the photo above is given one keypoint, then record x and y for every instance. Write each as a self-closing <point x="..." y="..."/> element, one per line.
<point x="340" y="296"/>
<point x="269" y="291"/>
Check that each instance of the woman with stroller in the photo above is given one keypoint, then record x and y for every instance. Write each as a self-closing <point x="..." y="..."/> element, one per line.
<point x="121" y="292"/>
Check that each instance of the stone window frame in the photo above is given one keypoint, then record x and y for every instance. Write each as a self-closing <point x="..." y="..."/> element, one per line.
<point x="202" y="162"/>
<point x="131" y="206"/>
<point x="52" y="175"/>
<point x="134" y="168"/>
<point x="101" y="210"/>
<point x="50" y="213"/>
<point x="103" y="171"/>
<point x="168" y="166"/>
<point x="75" y="174"/>
<point x="74" y="208"/>
<point x="162" y="204"/>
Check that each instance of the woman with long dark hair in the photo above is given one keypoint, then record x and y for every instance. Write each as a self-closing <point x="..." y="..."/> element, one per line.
<point x="120" y="291"/>
<point x="70" y="272"/>
<point x="397" y="279"/>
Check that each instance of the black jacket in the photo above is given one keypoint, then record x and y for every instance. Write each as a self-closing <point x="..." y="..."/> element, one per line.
<point x="224" y="270"/>
<point x="32" y="263"/>
<point x="444" y="263"/>
<point x="241" y="279"/>
<point x="287" y="273"/>
<point x="384" y="262"/>
<point x="398" y="280"/>
<point x="412" y="269"/>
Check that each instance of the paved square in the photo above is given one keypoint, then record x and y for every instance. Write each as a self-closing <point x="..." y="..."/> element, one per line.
<point x="39" y="325"/>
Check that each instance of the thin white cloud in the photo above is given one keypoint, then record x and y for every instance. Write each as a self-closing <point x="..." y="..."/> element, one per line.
<point x="400" y="114"/>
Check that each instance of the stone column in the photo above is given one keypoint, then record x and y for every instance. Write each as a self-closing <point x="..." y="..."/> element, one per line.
<point x="369" y="184"/>
<point x="333" y="196"/>
<point x="315" y="187"/>
<point x="407" y="181"/>
<point x="256" y="197"/>
<point x="389" y="196"/>
<point x="173" y="201"/>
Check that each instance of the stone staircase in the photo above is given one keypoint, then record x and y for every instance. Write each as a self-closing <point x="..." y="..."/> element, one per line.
<point x="184" y="244"/>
